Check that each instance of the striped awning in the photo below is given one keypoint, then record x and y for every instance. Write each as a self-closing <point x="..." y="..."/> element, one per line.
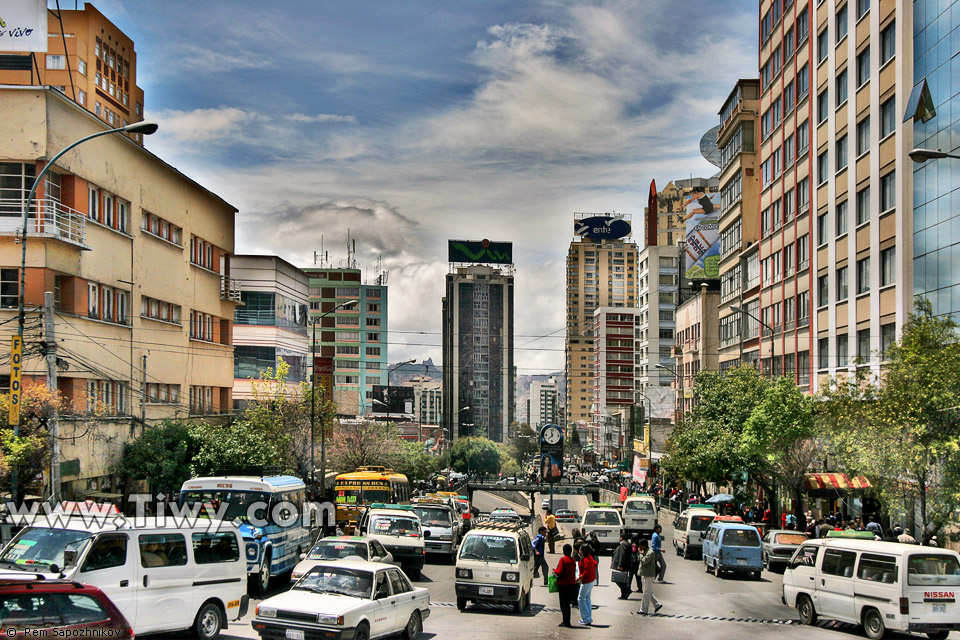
<point x="835" y="482"/>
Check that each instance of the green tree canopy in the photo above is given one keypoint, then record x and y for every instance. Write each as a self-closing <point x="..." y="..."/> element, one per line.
<point x="475" y="455"/>
<point x="161" y="457"/>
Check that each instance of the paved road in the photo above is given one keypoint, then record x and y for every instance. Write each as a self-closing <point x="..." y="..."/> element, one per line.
<point x="695" y="604"/>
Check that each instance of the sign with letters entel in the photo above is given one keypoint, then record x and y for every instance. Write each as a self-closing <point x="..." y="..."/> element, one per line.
<point x="23" y="25"/>
<point x="16" y="368"/>
<point x="602" y="227"/>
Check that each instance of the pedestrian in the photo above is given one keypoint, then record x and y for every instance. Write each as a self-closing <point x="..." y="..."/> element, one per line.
<point x="825" y="528"/>
<point x="635" y="561"/>
<point x="648" y="569"/>
<point x="539" y="561"/>
<point x="791" y="521"/>
<point x="874" y="526"/>
<point x="621" y="561"/>
<point x="588" y="579"/>
<point x="566" y="573"/>
<point x="551" y="521"/>
<point x="656" y="545"/>
<point x="904" y="537"/>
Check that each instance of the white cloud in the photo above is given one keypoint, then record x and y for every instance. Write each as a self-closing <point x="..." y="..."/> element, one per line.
<point x="202" y="125"/>
<point x="320" y="117"/>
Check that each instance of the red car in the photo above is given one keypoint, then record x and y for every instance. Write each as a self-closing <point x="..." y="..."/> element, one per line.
<point x="63" y="607"/>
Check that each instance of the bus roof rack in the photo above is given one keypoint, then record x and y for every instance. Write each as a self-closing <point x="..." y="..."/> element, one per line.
<point x="498" y="525"/>
<point x="600" y="505"/>
<point x="856" y="535"/>
<point x="257" y="471"/>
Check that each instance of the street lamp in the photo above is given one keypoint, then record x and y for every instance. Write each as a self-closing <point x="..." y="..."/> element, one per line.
<point x="313" y="406"/>
<point x="145" y="127"/>
<point x="922" y="155"/>
<point x="763" y="324"/>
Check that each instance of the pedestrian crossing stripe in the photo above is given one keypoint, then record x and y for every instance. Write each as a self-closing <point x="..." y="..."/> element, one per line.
<point x="499" y="606"/>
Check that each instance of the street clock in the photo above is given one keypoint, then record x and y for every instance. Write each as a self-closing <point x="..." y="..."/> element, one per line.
<point x="551" y="453"/>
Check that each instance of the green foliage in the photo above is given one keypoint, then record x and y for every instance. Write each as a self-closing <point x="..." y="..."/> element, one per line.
<point x="161" y="457"/>
<point x="476" y="455"/>
<point x="363" y="444"/>
<point x="29" y="452"/>
<point x="410" y="459"/>
<point x="240" y="443"/>
<point x="524" y="441"/>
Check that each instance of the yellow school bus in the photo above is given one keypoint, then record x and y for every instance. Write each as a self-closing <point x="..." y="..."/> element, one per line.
<point x="358" y="490"/>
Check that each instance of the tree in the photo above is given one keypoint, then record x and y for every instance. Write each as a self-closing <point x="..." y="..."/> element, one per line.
<point x="29" y="452"/>
<point x="524" y="442"/>
<point x="475" y="455"/>
<point x="411" y="460"/>
<point x="239" y="444"/>
<point x="161" y="457"/>
<point x="363" y="444"/>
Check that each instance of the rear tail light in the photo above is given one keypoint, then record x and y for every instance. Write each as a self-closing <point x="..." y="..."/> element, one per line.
<point x="905" y="606"/>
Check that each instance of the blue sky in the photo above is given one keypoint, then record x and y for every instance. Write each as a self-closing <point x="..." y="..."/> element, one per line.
<point x="410" y="123"/>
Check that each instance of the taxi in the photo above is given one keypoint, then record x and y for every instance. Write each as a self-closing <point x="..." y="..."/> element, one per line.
<point x="397" y="527"/>
<point x="341" y="548"/>
<point x="604" y="520"/>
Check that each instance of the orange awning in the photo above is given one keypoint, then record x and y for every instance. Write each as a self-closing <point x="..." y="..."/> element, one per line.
<point x="835" y="482"/>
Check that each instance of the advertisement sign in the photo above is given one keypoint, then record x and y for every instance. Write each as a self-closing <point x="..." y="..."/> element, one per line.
<point x="702" y="217"/>
<point x="483" y="251"/>
<point x="551" y="453"/>
<point x="323" y="378"/>
<point x="16" y="368"/>
<point x="603" y="227"/>
<point x="23" y="25"/>
<point x="392" y="400"/>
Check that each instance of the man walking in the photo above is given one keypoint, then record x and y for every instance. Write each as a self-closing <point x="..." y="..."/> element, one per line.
<point x="648" y="569"/>
<point x="551" y="522"/>
<point x="656" y="545"/>
<point x="539" y="561"/>
<point x="622" y="557"/>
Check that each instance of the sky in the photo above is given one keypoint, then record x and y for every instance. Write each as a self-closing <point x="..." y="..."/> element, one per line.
<point x="408" y="123"/>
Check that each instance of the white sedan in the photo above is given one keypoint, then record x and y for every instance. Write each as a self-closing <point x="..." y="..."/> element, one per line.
<point x="360" y="600"/>
<point x="342" y="548"/>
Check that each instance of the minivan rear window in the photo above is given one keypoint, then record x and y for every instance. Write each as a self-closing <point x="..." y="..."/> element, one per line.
<point x="602" y="518"/>
<point x="638" y="506"/>
<point x="741" y="538"/>
<point x="700" y="523"/>
<point x="933" y="569"/>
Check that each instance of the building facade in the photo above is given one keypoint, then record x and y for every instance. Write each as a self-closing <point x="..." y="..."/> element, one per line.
<point x="138" y="258"/>
<point x="614" y="376"/>
<point x="543" y="403"/>
<point x="695" y="350"/>
<point x="659" y="285"/>
<point x="427" y="400"/>
<point x="479" y="378"/>
<point x="271" y="323"/>
<point x="354" y="336"/>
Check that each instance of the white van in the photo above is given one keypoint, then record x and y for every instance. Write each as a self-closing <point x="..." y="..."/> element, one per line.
<point x="163" y="575"/>
<point x="880" y="585"/>
<point x="689" y="528"/>
<point x="604" y="520"/>
<point x="640" y="515"/>
<point x="495" y="564"/>
<point x="398" y="528"/>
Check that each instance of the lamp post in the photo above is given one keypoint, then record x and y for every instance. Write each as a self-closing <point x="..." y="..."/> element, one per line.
<point x="389" y="371"/>
<point x="762" y="324"/>
<point x="313" y="406"/>
<point x="922" y="155"/>
<point x="145" y="127"/>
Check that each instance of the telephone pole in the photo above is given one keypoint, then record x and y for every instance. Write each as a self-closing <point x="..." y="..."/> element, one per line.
<point x="53" y="424"/>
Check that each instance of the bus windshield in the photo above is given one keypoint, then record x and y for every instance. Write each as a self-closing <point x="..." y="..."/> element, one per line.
<point x="368" y="494"/>
<point x="42" y="546"/>
<point x="240" y="504"/>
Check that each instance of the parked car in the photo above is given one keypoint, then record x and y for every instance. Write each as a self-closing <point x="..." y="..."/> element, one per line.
<point x="62" y="608"/>
<point x="779" y="545"/>
<point x="732" y="547"/>
<point x="567" y="515"/>
<point x="342" y="548"/>
<point x="345" y="600"/>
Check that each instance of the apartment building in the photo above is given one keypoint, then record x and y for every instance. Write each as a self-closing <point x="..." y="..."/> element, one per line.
<point x="543" y="403"/>
<point x="659" y="285"/>
<point x="114" y="230"/>
<point x="696" y="347"/>
<point x="614" y="375"/>
<point x="600" y="273"/>
<point x="427" y="399"/>
<point x="90" y="61"/>
<point x="738" y="140"/>
<point x="354" y="336"/>
<point x="270" y="326"/>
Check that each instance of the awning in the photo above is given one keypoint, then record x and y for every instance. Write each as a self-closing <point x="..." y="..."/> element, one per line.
<point x="833" y="482"/>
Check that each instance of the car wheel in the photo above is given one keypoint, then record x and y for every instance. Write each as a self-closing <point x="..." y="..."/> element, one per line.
<point x="938" y="635"/>
<point x="414" y="627"/>
<point x="461" y="603"/>
<point x="873" y="624"/>
<point x="716" y="570"/>
<point x="363" y="632"/>
<point x="706" y="566"/>
<point x="808" y="615"/>
<point x="261" y="580"/>
<point x="208" y="622"/>
<point x="518" y="605"/>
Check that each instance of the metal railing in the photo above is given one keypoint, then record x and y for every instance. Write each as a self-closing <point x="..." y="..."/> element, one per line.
<point x="48" y="219"/>
<point x="229" y="289"/>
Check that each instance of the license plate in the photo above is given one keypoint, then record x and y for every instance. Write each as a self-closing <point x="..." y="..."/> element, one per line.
<point x="741" y="561"/>
<point x="601" y="534"/>
<point x="486" y="591"/>
<point x="940" y="608"/>
<point x="295" y="634"/>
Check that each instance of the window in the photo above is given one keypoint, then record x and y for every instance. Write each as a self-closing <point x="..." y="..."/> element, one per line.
<point x="842" y="284"/>
<point x="788" y="45"/>
<point x="877" y="568"/>
<point x="56" y="62"/>
<point x="93" y="203"/>
<point x="803" y="195"/>
<point x="888" y="266"/>
<point x="841" y="87"/>
<point x="788" y="151"/>
<point x="803" y="252"/>
<point x="823" y="290"/>
<point x="803" y="82"/>
<point x="841" y="218"/>
<point x="159" y="227"/>
<point x="803" y="26"/>
<point x="863" y="136"/>
<point x="823" y="233"/>
<point x="93" y="290"/>
<point x="842" y="153"/>
<point x="765" y="225"/>
<point x="888" y="43"/>
<point x="888" y="336"/>
<point x="842" y="23"/>
<point x="863" y="67"/>
<point x="789" y="204"/>
<point x="863" y="275"/>
<point x="803" y="138"/>
<point x="823" y="45"/>
<point x="823" y="106"/>
<point x="212" y="548"/>
<point x="863" y="205"/>
<point x="373" y="337"/>
<point x="823" y="167"/>
<point x="888" y="117"/>
<point x="108" y="209"/>
<point x="823" y="353"/>
<point x="9" y="288"/>
<point x="81" y="96"/>
<point x="863" y="345"/>
<point x="109" y="551"/>
<point x="862" y="7"/>
<point x="888" y="191"/>
<point x="838" y="563"/>
<point x="373" y="351"/>
<point x="163" y="550"/>
<point x="803" y="308"/>
<point x="843" y="356"/>
<point x="82" y="66"/>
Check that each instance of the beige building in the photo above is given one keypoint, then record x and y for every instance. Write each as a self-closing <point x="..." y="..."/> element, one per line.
<point x="138" y="258"/>
<point x="89" y="60"/>
<point x="697" y="326"/>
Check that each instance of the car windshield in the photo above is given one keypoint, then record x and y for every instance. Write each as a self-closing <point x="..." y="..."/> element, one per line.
<point x="395" y="526"/>
<point x="638" y="506"/>
<point x="433" y="517"/>
<point x="933" y="569"/>
<point x="489" y="547"/>
<point x="346" y="582"/>
<point x="337" y="549"/>
<point x="43" y="546"/>
<point x="239" y="504"/>
<point x="741" y="538"/>
<point x="700" y="523"/>
<point x="790" y="538"/>
<point x="602" y="518"/>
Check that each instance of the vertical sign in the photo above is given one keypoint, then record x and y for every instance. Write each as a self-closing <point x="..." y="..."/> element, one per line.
<point x="16" y="360"/>
<point x="323" y="378"/>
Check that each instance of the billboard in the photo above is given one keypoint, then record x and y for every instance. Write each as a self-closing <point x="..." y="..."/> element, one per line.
<point x="23" y="25"/>
<point x="702" y="217"/>
<point x="602" y="227"/>
<point x="392" y="400"/>
<point x="483" y="251"/>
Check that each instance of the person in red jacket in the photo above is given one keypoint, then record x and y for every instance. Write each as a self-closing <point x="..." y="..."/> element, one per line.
<point x="566" y="573"/>
<point x="588" y="578"/>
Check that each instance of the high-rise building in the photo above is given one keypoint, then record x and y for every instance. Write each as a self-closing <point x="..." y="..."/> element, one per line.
<point x="543" y="400"/>
<point x="615" y="374"/>
<point x="89" y="60"/>
<point x="427" y="400"/>
<point x="478" y="370"/>
<point x="671" y="228"/>
<point x="271" y="324"/>
<point x="659" y="284"/>
<point x="601" y="272"/>
<point x="354" y="336"/>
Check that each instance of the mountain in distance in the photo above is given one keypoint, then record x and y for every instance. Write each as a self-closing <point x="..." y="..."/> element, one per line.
<point x="406" y="372"/>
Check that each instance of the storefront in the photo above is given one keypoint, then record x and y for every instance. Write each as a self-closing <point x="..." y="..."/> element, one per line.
<point x="837" y="493"/>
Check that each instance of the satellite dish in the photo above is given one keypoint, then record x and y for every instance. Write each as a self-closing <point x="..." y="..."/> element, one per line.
<point x="709" y="148"/>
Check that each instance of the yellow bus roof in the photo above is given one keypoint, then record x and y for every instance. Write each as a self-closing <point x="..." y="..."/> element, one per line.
<point x="389" y="474"/>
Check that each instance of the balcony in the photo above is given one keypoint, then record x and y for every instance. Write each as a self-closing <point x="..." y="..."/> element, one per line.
<point x="229" y="289"/>
<point x="48" y="219"/>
